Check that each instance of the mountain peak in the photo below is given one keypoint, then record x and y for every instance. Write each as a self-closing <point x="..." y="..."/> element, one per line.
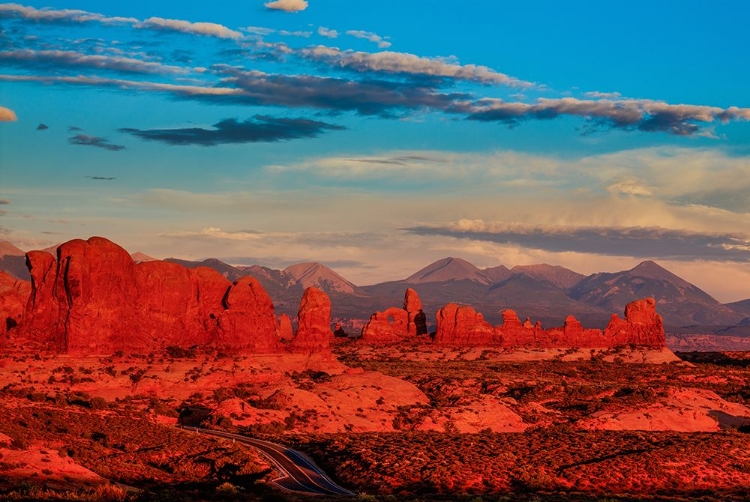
<point x="318" y="275"/>
<point x="8" y="249"/>
<point x="449" y="269"/>
<point x="652" y="270"/>
<point x="139" y="257"/>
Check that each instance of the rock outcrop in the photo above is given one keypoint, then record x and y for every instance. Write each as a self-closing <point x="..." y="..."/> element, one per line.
<point x="284" y="331"/>
<point x="416" y="318"/>
<point x="248" y="321"/>
<point x="95" y="299"/>
<point x="462" y="326"/>
<point x="395" y="324"/>
<point x="314" y="323"/>
<point x="14" y="293"/>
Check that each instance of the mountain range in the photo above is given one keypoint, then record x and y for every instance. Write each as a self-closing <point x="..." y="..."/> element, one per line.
<point x="544" y="292"/>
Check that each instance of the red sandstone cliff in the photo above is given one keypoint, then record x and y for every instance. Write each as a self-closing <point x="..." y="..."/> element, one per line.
<point x="96" y="299"/>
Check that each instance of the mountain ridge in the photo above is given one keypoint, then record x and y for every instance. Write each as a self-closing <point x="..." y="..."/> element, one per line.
<point x="549" y="292"/>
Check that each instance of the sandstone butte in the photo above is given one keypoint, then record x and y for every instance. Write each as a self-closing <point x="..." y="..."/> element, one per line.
<point x="463" y="326"/>
<point x="95" y="299"/>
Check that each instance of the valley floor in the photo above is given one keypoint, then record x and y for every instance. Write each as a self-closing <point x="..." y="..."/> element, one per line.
<point x="389" y="423"/>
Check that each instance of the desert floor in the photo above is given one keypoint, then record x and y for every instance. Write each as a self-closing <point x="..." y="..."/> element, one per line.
<point x="390" y="423"/>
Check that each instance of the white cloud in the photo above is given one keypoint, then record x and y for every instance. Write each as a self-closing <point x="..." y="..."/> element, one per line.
<point x="405" y="63"/>
<point x="70" y="59"/>
<point x="7" y="115"/>
<point x="325" y="32"/>
<point x="370" y="37"/>
<point x="207" y="29"/>
<point x="287" y="5"/>
<point x="54" y="15"/>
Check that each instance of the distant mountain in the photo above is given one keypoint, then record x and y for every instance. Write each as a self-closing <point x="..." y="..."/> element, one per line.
<point x="449" y="269"/>
<point x="679" y="302"/>
<point x="742" y="307"/>
<point x="139" y="257"/>
<point x="541" y="299"/>
<point x="555" y="274"/>
<point x="13" y="261"/>
<point x="542" y="292"/>
<point x="8" y="249"/>
<point x="321" y="277"/>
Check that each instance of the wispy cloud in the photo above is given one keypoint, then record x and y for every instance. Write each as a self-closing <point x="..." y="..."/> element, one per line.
<point x="258" y="129"/>
<point x="13" y="10"/>
<point x="325" y="32"/>
<point x="602" y="95"/>
<point x="370" y="37"/>
<point x="178" y="25"/>
<point x="638" y="242"/>
<point x="628" y="114"/>
<point x="29" y="59"/>
<point x="101" y="178"/>
<point x="7" y="115"/>
<point x="287" y="5"/>
<point x="401" y="63"/>
<point x="371" y="97"/>
<point x="85" y="140"/>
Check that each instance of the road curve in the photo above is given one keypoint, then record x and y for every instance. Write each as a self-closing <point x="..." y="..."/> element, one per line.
<point x="298" y="474"/>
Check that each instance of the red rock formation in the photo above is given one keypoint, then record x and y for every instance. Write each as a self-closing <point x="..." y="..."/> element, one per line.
<point x="249" y="321"/>
<point x="395" y="324"/>
<point x="389" y="326"/>
<point x="42" y="312"/>
<point x="14" y="293"/>
<point x="284" y="331"/>
<point x="96" y="299"/>
<point x="641" y="326"/>
<point x="416" y="318"/>
<point x="314" y="324"/>
<point x="462" y="325"/>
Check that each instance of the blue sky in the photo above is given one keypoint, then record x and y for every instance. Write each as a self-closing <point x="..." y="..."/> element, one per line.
<point x="377" y="137"/>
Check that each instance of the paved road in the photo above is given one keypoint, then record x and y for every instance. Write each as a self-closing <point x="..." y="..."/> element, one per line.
<point x="298" y="474"/>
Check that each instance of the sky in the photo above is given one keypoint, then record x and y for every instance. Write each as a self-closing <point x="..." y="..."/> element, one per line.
<point x="378" y="137"/>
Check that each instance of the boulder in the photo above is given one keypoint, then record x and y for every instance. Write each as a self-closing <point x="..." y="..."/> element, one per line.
<point x="314" y="323"/>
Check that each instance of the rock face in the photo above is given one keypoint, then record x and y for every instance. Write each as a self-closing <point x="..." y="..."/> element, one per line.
<point x="461" y="325"/>
<point x="416" y="318"/>
<point x="249" y="321"/>
<point x="314" y="324"/>
<point x="395" y="324"/>
<point x="284" y="331"/>
<point x="96" y="299"/>
<point x="641" y="326"/>
<point x="14" y="293"/>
